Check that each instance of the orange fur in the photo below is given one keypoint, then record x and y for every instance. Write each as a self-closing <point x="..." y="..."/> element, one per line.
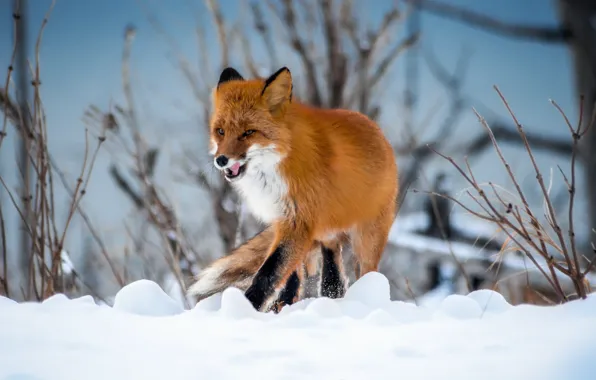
<point x="337" y="177"/>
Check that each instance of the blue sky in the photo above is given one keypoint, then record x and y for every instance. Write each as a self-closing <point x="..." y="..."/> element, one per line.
<point x="81" y="57"/>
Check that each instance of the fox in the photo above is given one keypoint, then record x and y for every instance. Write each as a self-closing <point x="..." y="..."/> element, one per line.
<point x="318" y="178"/>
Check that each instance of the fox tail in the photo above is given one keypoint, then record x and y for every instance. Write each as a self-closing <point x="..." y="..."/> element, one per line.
<point x="237" y="269"/>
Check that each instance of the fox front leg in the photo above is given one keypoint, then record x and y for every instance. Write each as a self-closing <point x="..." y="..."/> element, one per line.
<point x="290" y="249"/>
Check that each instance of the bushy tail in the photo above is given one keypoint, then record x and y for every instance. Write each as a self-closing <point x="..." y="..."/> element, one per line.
<point x="236" y="269"/>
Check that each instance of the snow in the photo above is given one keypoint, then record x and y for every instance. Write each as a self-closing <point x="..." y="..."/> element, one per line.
<point x="146" y="335"/>
<point x="465" y="222"/>
<point x="67" y="265"/>
<point x="372" y="290"/>
<point x="145" y="297"/>
<point x="402" y="235"/>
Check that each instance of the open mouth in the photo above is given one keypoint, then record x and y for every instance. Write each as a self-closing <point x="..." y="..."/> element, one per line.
<point x="235" y="171"/>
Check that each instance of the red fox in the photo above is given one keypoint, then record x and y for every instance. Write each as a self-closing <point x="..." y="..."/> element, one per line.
<point x="317" y="177"/>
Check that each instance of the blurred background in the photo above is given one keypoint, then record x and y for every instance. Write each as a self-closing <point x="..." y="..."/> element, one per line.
<point x="105" y="107"/>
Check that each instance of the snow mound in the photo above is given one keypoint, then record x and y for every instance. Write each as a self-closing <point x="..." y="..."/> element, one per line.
<point x="372" y="289"/>
<point x="212" y="303"/>
<point x="6" y="302"/>
<point x="490" y="301"/>
<point x="57" y="300"/>
<point x="147" y="335"/>
<point x="235" y="305"/>
<point x="461" y="307"/>
<point x="325" y="307"/>
<point x="145" y="297"/>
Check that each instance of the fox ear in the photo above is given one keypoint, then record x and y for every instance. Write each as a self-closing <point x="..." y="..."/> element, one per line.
<point x="229" y="74"/>
<point x="277" y="92"/>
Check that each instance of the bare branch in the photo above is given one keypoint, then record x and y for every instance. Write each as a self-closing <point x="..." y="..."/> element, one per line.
<point x="90" y="227"/>
<point x="4" y="278"/>
<point x="390" y="58"/>
<point x="453" y="83"/>
<point x="248" y="59"/>
<point x="125" y="187"/>
<point x="288" y="15"/>
<point x="336" y="59"/>
<point x="221" y="31"/>
<point x="508" y="134"/>
<point x="551" y="34"/>
<point x="265" y="32"/>
<point x="520" y="223"/>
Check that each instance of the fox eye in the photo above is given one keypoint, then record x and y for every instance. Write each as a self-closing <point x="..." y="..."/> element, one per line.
<point x="220" y="131"/>
<point x="248" y="133"/>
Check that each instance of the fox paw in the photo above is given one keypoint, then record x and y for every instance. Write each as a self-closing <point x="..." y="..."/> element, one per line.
<point x="256" y="297"/>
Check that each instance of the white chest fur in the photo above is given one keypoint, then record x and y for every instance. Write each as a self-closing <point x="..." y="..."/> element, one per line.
<point x="262" y="187"/>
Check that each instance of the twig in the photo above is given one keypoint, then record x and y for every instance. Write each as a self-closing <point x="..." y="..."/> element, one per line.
<point x="576" y="134"/>
<point x="506" y="133"/>
<point x="221" y="31"/>
<point x="288" y="16"/>
<point x="90" y="227"/>
<point x="4" y="279"/>
<point x="442" y="229"/>
<point x="265" y="32"/>
<point x="3" y="101"/>
<point x="550" y="207"/>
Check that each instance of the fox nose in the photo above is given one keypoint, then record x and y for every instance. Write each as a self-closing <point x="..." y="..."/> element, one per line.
<point x="221" y="161"/>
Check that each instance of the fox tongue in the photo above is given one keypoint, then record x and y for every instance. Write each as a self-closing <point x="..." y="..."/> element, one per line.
<point x="235" y="168"/>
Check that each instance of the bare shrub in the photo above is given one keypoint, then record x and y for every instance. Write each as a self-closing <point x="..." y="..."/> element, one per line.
<point x="551" y="250"/>
<point x="45" y="265"/>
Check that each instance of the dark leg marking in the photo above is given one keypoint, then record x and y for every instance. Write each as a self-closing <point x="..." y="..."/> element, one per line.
<point x="262" y="286"/>
<point x="289" y="294"/>
<point x="332" y="279"/>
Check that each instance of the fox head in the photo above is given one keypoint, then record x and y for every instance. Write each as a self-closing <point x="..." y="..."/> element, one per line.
<point x="247" y="124"/>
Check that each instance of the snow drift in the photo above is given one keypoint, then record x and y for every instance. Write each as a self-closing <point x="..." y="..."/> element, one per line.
<point x="147" y="335"/>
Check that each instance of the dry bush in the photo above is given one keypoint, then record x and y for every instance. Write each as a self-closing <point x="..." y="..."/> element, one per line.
<point x="44" y="264"/>
<point x="551" y="250"/>
<point x="126" y="139"/>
